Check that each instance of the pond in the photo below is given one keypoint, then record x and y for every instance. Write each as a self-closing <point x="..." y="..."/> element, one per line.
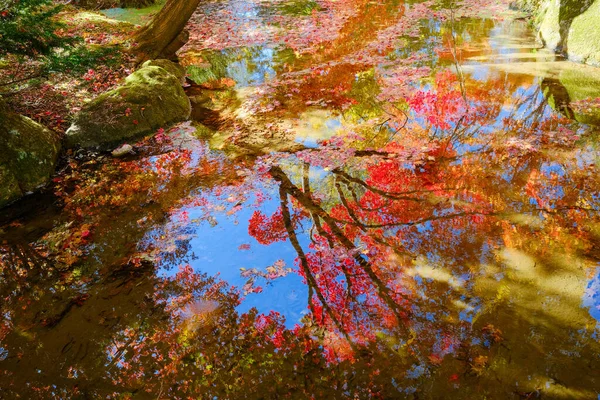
<point x="375" y="199"/>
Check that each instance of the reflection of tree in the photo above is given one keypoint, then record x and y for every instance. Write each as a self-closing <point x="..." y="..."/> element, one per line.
<point x="370" y="219"/>
<point x="54" y="334"/>
<point x="66" y="295"/>
<point x="461" y="219"/>
<point x="137" y="335"/>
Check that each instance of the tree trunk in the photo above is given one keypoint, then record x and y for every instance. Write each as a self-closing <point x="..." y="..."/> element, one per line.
<point x="165" y="34"/>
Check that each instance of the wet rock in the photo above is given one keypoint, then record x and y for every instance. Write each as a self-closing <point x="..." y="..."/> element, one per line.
<point x="150" y="98"/>
<point x="123" y="151"/>
<point x="28" y="155"/>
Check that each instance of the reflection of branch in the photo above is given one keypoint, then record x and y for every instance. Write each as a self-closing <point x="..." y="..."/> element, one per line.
<point x="347" y="205"/>
<point x="322" y="232"/>
<point x="459" y="70"/>
<point x="315" y="218"/>
<point x="363" y="225"/>
<point x="357" y="202"/>
<point x="424" y="220"/>
<point x="394" y="131"/>
<point x="387" y="195"/>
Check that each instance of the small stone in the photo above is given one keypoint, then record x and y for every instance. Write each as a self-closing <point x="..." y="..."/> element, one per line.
<point x="123" y="151"/>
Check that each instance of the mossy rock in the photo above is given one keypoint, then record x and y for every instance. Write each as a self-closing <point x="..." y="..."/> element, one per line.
<point x="569" y="26"/>
<point x="173" y="68"/>
<point x="150" y="98"/>
<point x="549" y="24"/>
<point x="82" y="18"/>
<point x="28" y="155"/>
<point x="584" y="36"/>
<point x="9" y="187"/>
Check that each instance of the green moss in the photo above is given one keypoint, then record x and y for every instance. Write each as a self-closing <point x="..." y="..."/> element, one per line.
<point x="174" y="69"/>
<point x="203" y="131"/>
<point x="581" y="86"/>
<point x="300" y="7"/>
<point x="548" y="18"/>
<point x="78" y="60"/>
<point x="580" y="83"/>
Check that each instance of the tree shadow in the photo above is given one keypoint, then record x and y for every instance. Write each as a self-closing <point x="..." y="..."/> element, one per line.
<point x="568" y="11"/>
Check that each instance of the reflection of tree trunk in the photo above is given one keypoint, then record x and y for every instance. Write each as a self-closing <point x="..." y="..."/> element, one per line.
<point x="310" y="279"/>
<point x="287" y="187"/>
<point x="165" y="34"/>
<point x="555" y="92"/>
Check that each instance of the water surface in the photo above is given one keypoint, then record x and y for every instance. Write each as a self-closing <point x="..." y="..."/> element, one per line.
<point x="374" y="200"/>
